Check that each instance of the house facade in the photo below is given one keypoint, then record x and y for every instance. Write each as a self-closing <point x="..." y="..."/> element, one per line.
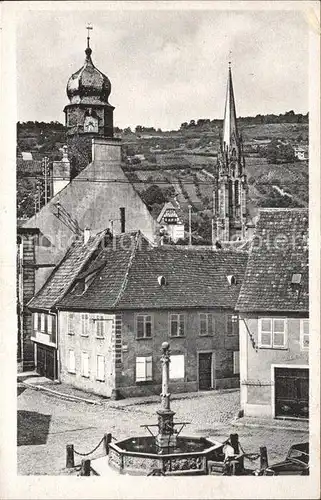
<point x="273" y="311"/>
<point x="42" y="310"/>
<point x="119" y="353"/>
<point x="111" y="329"/>
<point x="171" y="223"/>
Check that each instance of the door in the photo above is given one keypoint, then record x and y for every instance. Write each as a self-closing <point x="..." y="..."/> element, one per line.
<point x="41" y="361"/>
<point x="204" y="371"/>
<point x="46" y="362"/>
<point x="292" y="392"/>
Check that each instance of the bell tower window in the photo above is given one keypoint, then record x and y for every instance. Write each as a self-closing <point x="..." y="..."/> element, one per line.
<point x="91" y="122"/>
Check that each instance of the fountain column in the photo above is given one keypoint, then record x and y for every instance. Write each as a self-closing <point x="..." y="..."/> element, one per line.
<point x="166" y="437"/>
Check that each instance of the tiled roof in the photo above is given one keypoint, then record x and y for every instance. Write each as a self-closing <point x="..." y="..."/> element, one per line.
<point x="65" y="272"/>
<point x="129" y="280"/>
<point x="279" y="250"/>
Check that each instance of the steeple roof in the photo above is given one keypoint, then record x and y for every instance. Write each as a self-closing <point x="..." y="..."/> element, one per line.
<point x="230" y="132"/>
<point x="88" y="85"/>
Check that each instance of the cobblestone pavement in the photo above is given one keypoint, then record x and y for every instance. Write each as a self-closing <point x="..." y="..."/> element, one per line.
<point x="46" y="424"/>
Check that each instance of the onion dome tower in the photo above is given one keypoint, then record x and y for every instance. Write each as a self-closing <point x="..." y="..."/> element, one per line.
<point x="89" y="112"/>
<point x="231" y="209"/>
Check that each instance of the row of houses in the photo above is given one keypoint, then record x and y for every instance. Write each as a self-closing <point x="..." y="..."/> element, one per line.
<point x="232" y="317"/>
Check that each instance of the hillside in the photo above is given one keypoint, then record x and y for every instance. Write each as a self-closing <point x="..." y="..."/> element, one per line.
<point x="182" y="163"/>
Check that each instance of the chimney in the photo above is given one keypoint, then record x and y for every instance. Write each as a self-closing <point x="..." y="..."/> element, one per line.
<point x="122" y="219"/>
<point x="86" y="235"/>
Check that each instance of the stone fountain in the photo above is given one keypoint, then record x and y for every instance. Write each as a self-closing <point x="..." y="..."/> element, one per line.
<point x="164" y="453"/>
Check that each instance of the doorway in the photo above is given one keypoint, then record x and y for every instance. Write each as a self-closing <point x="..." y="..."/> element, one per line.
<point x="291" y="392"/>
<point x="46" y="362"/>
<point x="205" y="371"/>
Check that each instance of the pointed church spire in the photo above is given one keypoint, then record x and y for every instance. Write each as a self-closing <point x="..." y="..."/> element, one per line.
<point x="230" y="134"/>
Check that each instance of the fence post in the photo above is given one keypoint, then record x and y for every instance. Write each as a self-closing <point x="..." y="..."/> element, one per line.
<point x="264" y="463"/>
<point x="107" y="440"/>
<point x="85" y="468"/>
<point x="70" y="460"/>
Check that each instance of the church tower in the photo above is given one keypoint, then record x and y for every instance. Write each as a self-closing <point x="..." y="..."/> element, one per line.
<point x="231" y="209"/>
<point x="89" y="113"/>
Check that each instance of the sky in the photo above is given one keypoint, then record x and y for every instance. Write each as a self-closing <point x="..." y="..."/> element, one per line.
<point x="165" y="66"/>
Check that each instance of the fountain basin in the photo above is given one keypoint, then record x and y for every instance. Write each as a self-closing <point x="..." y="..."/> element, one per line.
<point x="140" y="455"/>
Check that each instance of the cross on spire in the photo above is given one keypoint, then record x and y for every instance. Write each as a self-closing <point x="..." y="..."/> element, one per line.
<point x="88" y="28"/>
<point x="229" y="58"/>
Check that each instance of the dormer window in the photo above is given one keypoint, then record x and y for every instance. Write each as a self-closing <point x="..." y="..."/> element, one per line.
<point x="231" y="279"/>
<point x="296" y="279"/>
<point x="161" y="280"/>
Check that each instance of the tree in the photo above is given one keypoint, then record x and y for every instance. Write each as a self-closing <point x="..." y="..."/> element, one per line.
<point x="153" y="194"/>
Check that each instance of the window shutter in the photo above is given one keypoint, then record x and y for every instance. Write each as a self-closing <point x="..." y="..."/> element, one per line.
<point x="85" y="364"/>
<point x="177" y="366"/>
<point x="42" y="316"/>
<point x="236" y="362"/>
<point x="72" y="362"/>
<point x="100" y="367"/>
<point x="35" y="321"/>
<point x="140" y="369"/>
<point x="149" y="368"/>
<point x="49" y="324"/>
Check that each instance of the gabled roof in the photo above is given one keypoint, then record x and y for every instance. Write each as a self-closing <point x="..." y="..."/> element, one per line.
<point x="65" y="272"/>
<point x="169" y="206"/>
<point x="279" y="250"/>
<point x="129" y="280"/>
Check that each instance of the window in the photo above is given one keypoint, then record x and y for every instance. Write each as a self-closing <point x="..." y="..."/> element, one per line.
<point x="100" y="368"/>
<point x="53" y="328"/>
<point x="177" y="325"/>
<point x="272" y="333"/>
<point x="232" y="324"/>
<point x="236" y="362"/>
<point x="100" y="327"/>
<point x="304" y="334"/>
<point x="143" y="326"/>
<point x="144" y="369"/>
<point x="177" y="367"/>
<point x="39" y="322"/>
<point x="72" y="362"/>
<point x="85" y="364"/>
<point x="206" y="324"/>
<point x="45" y="329"/>
<point x="84" y="325"/>
<point x="70" y="323"/>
